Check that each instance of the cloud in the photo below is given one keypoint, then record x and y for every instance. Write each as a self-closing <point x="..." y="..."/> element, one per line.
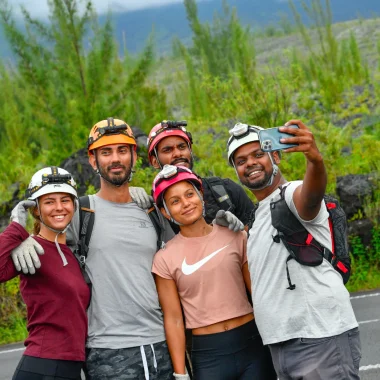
<point x="40" y="9"/>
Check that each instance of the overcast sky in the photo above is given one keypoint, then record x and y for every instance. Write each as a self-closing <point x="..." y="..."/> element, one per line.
<point x="40" y="8"/>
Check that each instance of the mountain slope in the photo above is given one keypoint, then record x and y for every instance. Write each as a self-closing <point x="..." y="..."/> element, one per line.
<point x="133" y="28"/>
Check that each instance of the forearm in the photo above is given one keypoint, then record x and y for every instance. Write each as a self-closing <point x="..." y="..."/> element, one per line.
<point x="175" y="337"/>
<point x="314" y="183"/>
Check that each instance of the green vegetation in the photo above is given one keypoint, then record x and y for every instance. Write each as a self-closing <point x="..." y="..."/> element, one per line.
<point x="68" y="76"/>
<point x="12" y="313"/>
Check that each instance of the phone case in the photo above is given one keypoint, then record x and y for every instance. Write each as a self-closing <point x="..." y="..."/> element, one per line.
<point x="270" y="139"/>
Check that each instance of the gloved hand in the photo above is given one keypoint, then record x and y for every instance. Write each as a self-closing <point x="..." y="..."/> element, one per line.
<point x="140" y="196"/>
<point x="181" y="377"/>
<point x="20" y="212"/>
<point x="25" y="256"/>
<point x="228" y="219"/>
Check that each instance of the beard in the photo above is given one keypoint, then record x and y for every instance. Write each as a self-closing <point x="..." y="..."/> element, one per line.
<point x="182" y="160"/>
<point x="256" y="184"/>
<point x="116" y="179"/>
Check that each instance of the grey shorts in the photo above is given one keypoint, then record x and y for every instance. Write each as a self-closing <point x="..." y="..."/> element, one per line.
<point x="336" y="357"/>
<point x="149" y="362"/>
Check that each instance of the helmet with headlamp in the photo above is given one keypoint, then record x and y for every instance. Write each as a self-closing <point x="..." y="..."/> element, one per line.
<point x="167" y="128"/>
<point x="241" y="134"/>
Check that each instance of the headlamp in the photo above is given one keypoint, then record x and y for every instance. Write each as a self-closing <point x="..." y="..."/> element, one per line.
<point x="169" y="171"/>
<point x="54" y="178"/>
<point x="241" y="130"/>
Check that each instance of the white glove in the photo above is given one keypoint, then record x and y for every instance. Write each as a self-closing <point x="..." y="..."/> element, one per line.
<point x="228" y="219"/>
<point x="140" y="196"/>
<point x="181" y="377"/>
<point x="20" y="212"/>
<point x="25" y="256"/>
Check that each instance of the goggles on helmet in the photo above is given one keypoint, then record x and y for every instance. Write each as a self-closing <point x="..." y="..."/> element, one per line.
<point x="171" y="170"/>
<point x="54" y="178"/>
<point x="110" y="129"/>
<point x="169" y="175"/>
<point x="170" y="124"/>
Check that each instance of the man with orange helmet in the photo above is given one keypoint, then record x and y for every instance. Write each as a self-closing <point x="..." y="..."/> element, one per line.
<point x="126" y="333"/>
<point x="169" y="142"/>
<point x="112" y="132"/>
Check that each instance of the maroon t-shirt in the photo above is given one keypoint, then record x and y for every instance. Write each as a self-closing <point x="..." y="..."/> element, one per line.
<point x="56" y="298"/>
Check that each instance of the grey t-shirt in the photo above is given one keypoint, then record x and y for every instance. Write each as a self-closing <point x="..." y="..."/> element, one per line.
<point x="320" y="304"/>
<point x="124" y="310"/>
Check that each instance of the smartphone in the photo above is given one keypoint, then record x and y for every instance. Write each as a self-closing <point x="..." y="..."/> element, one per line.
<point x="270" y="139"/>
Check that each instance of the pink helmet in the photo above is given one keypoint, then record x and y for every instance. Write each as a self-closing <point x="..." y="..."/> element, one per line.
<point x="170" y="175"/>
<point x="164" y="129"/>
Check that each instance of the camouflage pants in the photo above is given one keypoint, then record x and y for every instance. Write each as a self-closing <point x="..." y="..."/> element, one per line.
<point x="149" y="362"/>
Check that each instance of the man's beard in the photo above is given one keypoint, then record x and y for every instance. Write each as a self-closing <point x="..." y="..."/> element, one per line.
<point x="258" y="184"/>
<point x="116" y="179"/>
<point x="180" y="162"/>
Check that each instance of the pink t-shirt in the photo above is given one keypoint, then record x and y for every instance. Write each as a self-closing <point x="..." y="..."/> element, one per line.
<point x="208" y="273"/>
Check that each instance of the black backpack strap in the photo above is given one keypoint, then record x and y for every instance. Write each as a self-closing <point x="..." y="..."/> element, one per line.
<point x="219" y="192"/>
<point x="252" y="218"/>
<point x="86" y="224"/>
<point x="158" y="226"/>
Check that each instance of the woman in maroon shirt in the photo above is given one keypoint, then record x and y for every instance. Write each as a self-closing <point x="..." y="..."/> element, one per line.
<point x="56" y="296"/>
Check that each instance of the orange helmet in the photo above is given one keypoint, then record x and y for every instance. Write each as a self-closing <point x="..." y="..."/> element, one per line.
<point x="110" y="131"/>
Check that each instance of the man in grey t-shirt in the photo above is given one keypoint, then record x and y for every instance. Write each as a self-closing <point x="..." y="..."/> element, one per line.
<point x="310" y="328"/>
<point x="126" y="338"/>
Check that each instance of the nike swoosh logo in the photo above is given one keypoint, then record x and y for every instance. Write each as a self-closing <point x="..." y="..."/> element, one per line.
<point x="189" y="269"/>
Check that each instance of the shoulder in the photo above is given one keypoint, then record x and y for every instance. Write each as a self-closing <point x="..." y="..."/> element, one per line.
<point x="165" y="255"/>
<point x="290" y="189"/>
<point x="226" y="182"/>
<point x="171" y="246"/>
<point x="231" y="185"/>
<point x="226" y="232"/>
<point x="320" y="218"/>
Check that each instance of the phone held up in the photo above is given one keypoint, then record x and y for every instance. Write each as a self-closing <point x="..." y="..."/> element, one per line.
<point x="270" y="139"/>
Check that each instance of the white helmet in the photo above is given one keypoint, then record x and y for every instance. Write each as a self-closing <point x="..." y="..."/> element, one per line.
<point x="51" y="180"/>
<point x="241" y="134"/>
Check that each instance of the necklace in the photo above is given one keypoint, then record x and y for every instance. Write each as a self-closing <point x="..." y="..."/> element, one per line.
<point x="43" y="237"/>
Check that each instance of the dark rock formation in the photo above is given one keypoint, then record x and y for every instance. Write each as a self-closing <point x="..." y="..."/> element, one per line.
<point x="361" y="228"/>
<point x="353" y="191"/>
<point x="83" y="173"/>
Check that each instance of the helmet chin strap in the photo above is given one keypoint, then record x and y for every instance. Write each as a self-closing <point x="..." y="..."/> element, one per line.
<point x="200" y="217"/>
<point x="58" y="232"/>
<point x="271" y="179"/>
<point x="128" y="179"/>
<point x="156" y="155"/>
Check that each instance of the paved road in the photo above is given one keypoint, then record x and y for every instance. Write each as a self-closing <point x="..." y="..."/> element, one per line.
<point x="367" y="310"/>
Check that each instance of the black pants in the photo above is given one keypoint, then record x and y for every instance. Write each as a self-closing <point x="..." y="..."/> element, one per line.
<point x="31" y="368"/>
<point x="237" y="354"/>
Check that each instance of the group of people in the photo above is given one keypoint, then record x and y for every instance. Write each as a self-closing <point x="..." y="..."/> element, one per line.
<point x="127" y="320"/>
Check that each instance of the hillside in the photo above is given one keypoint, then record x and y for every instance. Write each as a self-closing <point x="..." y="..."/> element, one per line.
<point x="133" y="28"/>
